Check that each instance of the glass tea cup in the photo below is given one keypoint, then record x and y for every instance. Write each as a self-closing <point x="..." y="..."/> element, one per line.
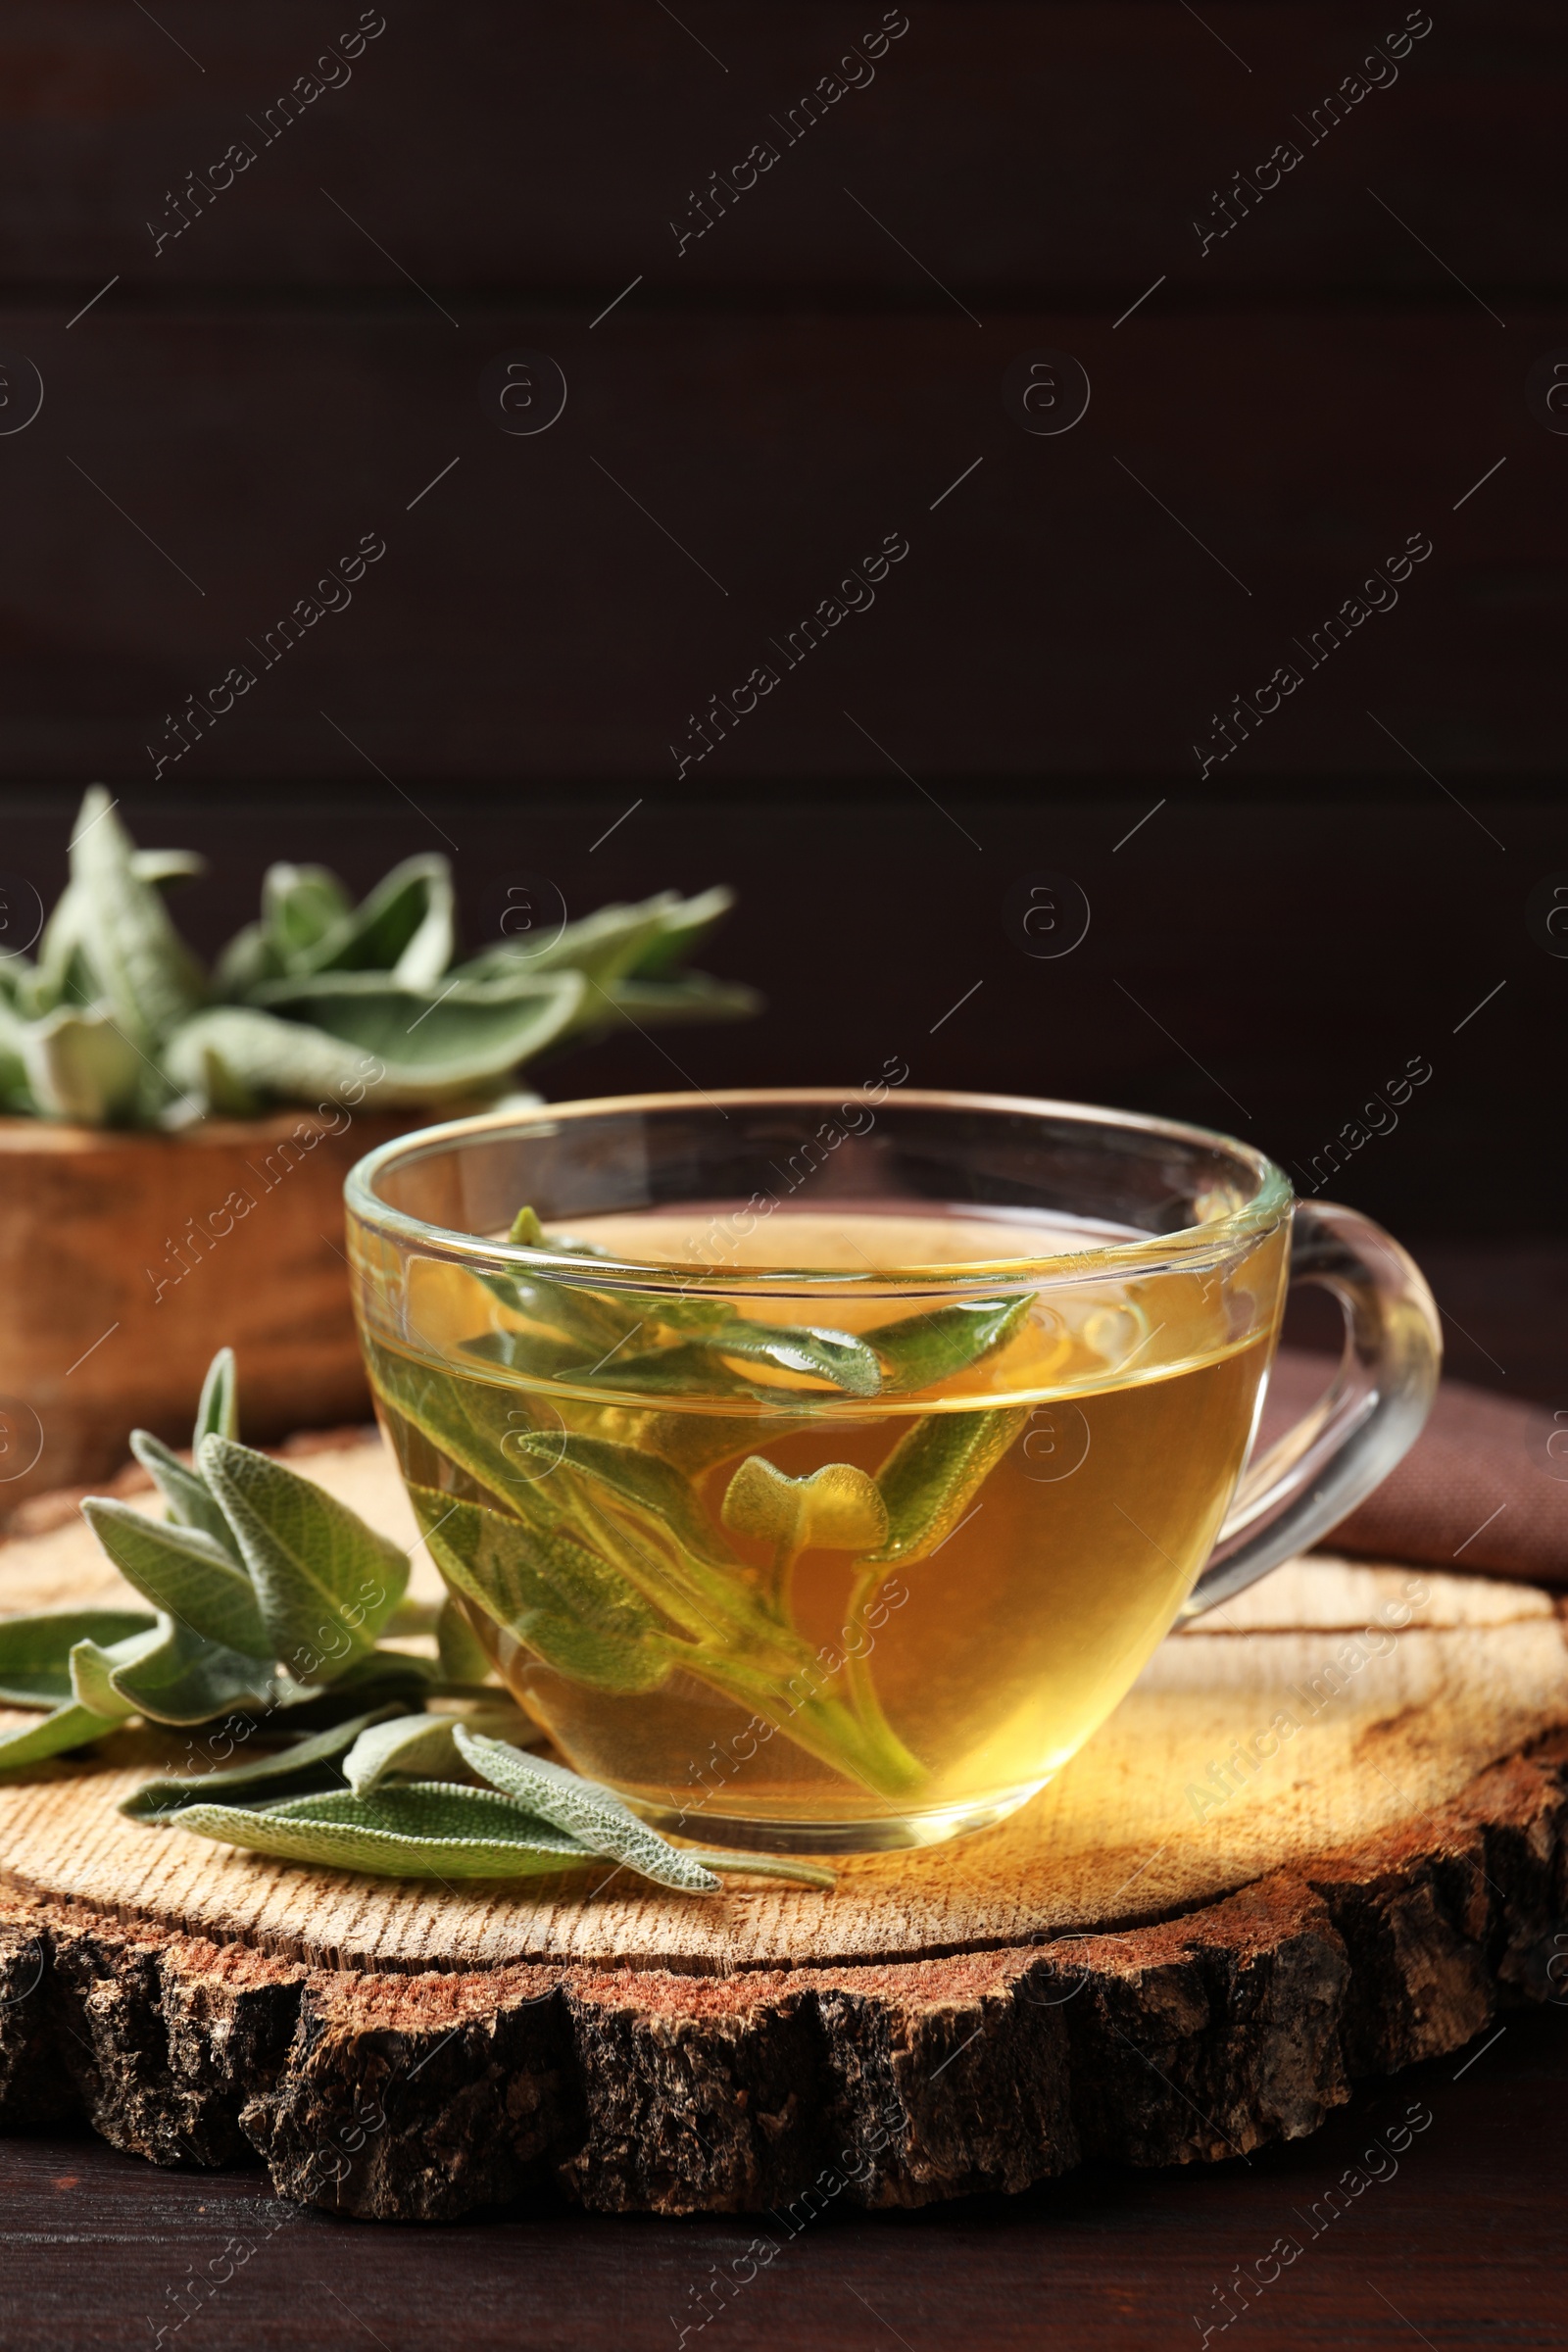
<point x="820" y="1467"/>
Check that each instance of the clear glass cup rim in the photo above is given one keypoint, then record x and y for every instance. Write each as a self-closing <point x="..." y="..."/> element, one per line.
<point x="1270" y="1198"/>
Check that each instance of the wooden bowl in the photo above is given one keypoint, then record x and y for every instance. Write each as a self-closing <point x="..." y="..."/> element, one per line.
<point x="127" y="1259"/>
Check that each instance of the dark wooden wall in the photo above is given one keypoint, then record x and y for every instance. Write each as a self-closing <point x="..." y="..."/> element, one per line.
<point x="1278" y="415"/>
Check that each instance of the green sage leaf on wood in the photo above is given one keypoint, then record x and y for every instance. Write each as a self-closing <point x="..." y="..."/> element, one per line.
<point x="934" y="1473"/>
<point x="94" y="1664"/>
<point x="185" y="1572"/>
<point x="182" y="1678"/>
<point x="419" y="1830"/>
<point x="372" y="1679"/>
<point x="917" y="1353"/>
<point x="326" y="1582"/>
<point x="423" y="1748"/>
<point x="191" y="1502"/>
<point x="567" y="1604"/>
<point x="69" y="1725"/>
<point x="588" y="1812"/>
<point x="273" y="1772"/>
<point x="837" y="1508"/>
<point x="35" y="1649"/>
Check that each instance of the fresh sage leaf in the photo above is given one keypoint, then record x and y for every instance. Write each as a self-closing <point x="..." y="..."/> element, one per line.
<point x="472" y="1426"/>
<point x="418" y="1830"/>
<point x="569" y="1607"/>
<point x="191" y="1502"/>
<point x="462" y="1655"/>
<point x="322" y="1756"/>
<point x="325" y="1581"/>
<point x="832" y="1356"/>
<point x="185" y="1572"/>
<point x="69" y="1725"/>
<point x="35" y="1649"/>
<point x="423" y="1748"/>
<point x="149" y="976"/>
<point x="595" y="1326"/>
<point x="642" y="1481"/>
<point x="934" y="1471"/>
<point x="250" y="958"/>
<point x="588" y="1812"/>
<point x="405" y="926"/>
<point x="93" y="1667"/>
<point x="690" y="997"/>
<point x="486" y="1027"/>
<point x="681" y="927"/>
<point x="837" y="1508"/>
<point x="917" y="1353"/>
<point x="81" y="1066"/>
<point x="374" y="1679"/>
<point x="300" y="905"/>
<point x="182" y="1678"/>
<point x="217" y="1412"/>
<point x="601" y="945"/>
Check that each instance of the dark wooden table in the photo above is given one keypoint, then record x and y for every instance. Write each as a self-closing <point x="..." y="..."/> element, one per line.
<point x="1460" y="2242"/>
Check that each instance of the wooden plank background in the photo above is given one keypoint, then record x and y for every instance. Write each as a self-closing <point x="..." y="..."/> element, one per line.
<point x="748" y="416"/>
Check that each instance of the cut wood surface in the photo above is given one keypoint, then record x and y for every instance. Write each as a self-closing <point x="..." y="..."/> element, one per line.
<point x="1188" y="1943"/>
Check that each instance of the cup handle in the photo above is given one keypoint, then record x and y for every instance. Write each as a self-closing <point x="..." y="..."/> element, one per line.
<point x="1366" y="1419"/>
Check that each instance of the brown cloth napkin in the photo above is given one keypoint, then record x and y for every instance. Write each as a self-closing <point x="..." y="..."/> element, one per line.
<point x="1483" y="1490"/>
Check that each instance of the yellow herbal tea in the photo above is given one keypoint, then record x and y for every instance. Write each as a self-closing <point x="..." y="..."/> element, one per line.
<point x="826" y="1570"/>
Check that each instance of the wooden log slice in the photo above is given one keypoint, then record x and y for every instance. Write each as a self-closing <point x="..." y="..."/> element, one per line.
<point x="1323" y="1836"/>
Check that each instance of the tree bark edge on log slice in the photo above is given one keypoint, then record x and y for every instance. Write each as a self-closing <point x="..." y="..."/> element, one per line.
<point x="422" y="2097"/>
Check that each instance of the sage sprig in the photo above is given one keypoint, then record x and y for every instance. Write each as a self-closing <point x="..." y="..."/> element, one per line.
<point x="594" y="1545"/>
<point x="116" y="1024"/>
<point x="269" y="1603"/>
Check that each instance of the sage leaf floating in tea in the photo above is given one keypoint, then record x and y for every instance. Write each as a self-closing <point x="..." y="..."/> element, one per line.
<point x="462" y="1655"/>
<point x="922" y="1350"/>
<point x="837" y="1508"/>
<point x="935" y="1470"/>
<point x="648" y="1484"/>
<point x="565" y="1601"/>
<point x="835" y="1358"/>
